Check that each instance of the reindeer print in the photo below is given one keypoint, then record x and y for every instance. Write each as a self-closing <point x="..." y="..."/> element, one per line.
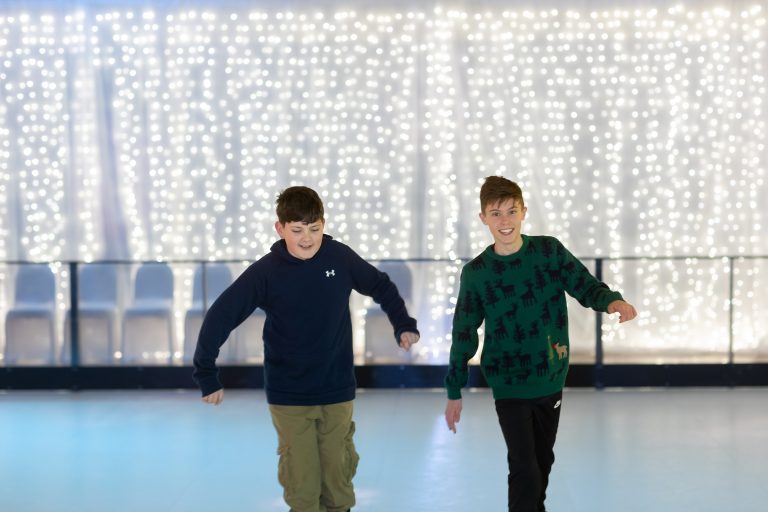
<point x="515" y="264"/>
<point x="561" y="350"/>
<point x="508" y="290"/>
<point x="528" y="297"/>
<point x="500" y="331"/>
<point x="477" y="263"/>
<point x="534" y="332"/>
<point x="511" y="312"/>
<point x="562" y="320"/>
<point x="453" y="372"/>
<point x="508" y="361"/>
<point x="493" y="369"/>
<point x="546" y="248"/>
<point x="465" y="335"/>
<point x="490" y="296"/>
<point x="543" y="367"/>
<point x="522" y="378"/>
<point x="519" y="334"/>
<point x="554" y="274"/>
<point x="546" y="317"/>
<point x="459" y="305"/>
<point x="498" y="267"/>
<point x="469" y="303"/>
<point x="524" y="360"/>
<point x="477" y="302"/>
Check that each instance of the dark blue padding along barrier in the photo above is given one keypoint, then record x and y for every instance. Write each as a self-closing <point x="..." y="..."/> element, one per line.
<point x="379" y="376"/>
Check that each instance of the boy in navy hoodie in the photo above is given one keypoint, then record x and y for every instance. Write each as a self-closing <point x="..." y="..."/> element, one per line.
<point x="304" y="285"/>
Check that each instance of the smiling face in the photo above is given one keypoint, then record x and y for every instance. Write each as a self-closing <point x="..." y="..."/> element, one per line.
<point x="302" y="239"/>
<point x="505" y="220"/>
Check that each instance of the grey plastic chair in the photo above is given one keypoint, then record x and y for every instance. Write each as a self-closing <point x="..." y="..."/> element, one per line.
<point x="148" y="322"/>
<point x="217" y="278"/>
<point x="30" y="333"/>
<point x="97" y="315"/>
<point x="380" y="346"/>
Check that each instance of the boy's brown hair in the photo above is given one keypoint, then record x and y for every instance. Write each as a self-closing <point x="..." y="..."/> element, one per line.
<point x="497" y="189"/>
<point x="299" y="204"/>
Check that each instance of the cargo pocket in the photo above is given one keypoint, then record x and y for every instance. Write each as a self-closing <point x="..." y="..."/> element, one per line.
<point x="284" y="470"/>
<point x="351" y="454"/>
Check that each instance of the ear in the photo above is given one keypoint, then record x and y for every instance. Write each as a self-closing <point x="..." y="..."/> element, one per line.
<point x="279" y="229"/>
<point x="482" y="218"/>
<point x="525" y="210"/>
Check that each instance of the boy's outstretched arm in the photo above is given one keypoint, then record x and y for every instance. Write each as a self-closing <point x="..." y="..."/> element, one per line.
<point x="408" y="339"/>
<point x="625" y="310"/>
<point x="453" y="414"/>
<point x="214" y="398"/>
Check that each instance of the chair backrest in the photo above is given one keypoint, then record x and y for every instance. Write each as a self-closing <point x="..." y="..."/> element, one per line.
<point x="154" y="281"/>
<point x="35" y="284"/>
<point x="217" y="278"/>
<point x="97" y="282"/>
<point x="400" y="274"/>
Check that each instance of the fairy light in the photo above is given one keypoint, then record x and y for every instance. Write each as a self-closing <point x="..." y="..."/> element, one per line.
<point x="6" y="25"/>
<point x="632" y="132"/>
<point x="5" y="163"/>
<point x="85" y="143"/>
<point x="34" y="97"/>
<point x="131" y="66"/>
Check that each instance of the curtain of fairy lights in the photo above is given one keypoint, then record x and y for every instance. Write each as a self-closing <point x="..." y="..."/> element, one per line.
<point x="146" y="134"/>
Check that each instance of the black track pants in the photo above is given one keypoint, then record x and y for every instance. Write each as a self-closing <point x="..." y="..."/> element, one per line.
<point x="530" y="429"/>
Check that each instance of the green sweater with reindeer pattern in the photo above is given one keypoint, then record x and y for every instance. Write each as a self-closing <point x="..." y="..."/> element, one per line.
<point x="521" y="298"/>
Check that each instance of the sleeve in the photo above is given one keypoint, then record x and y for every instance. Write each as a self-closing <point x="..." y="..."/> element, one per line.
<point x="369" y="281"/>
<point x="581" y="285"/>
<point x="467" y="317"/>
<point x="228" y="311"/>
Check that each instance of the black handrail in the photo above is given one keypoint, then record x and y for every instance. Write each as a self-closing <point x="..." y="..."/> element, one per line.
<point x="598" y="372"/>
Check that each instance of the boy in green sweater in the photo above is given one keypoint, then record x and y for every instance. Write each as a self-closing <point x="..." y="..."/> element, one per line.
<point x="517" y="286"/>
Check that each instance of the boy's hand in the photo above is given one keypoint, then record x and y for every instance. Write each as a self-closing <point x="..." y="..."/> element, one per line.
<point x="625" y="310"/>
<point x="214" y="398"/>
<point x="453" y="414"/>
<point x="407" y="339"/>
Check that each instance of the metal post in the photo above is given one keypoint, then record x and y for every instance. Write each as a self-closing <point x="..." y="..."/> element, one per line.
<point x="730" y="319"/>
<point x="74" y="321"/>
<point x="204" y="285"/>
<point x="598" y="375"/>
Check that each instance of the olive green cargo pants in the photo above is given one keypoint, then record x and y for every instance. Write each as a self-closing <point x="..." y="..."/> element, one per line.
<point x="317" y="456"/>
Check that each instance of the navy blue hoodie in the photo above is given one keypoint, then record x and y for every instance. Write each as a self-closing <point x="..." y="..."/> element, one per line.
<point x="308" y="356"/>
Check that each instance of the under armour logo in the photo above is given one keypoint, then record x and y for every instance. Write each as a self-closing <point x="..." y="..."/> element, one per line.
<point x="557" y="404"/>
<point x="329" y="273"/>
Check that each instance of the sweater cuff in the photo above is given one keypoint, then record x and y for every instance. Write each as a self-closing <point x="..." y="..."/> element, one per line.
<point x="613" y="297"/>
<point x="454" y="393"/>
<point x="209" y="385"/>
<point x="400" y="331"/>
